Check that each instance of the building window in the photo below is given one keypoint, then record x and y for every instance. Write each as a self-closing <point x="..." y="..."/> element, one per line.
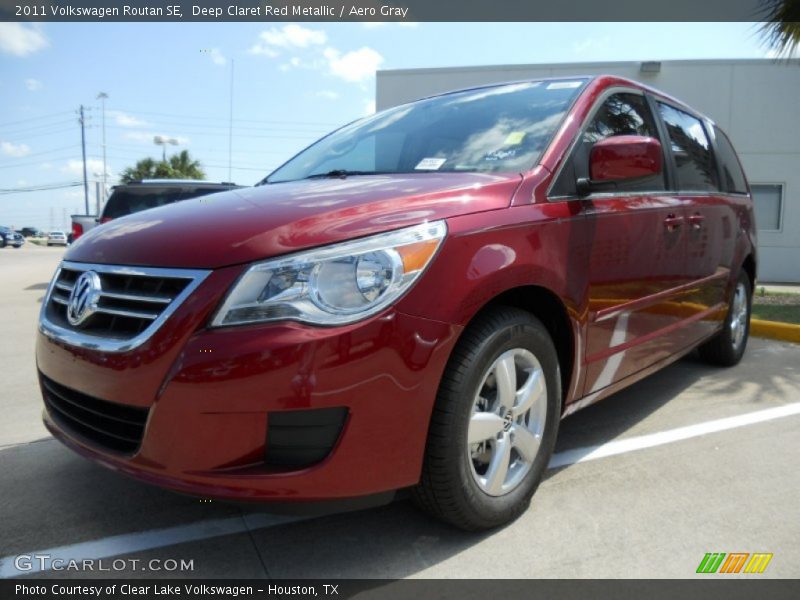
<point x="768" y="201"/>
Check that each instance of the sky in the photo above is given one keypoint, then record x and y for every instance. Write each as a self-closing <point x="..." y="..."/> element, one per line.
<point x="292" y="83"/>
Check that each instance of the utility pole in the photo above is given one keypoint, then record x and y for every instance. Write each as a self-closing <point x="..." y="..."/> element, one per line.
<point x="102" y="97"/>
<point x="83" y="150"/>
<point x="230" y="128"/>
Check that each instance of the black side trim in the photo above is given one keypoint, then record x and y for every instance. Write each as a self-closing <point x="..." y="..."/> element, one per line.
<point x="300" y="438"/>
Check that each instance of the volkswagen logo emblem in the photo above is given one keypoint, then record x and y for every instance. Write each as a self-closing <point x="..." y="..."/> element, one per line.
<point x="84" y="297"/>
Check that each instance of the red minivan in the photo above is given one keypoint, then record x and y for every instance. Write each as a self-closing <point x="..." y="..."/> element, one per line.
<point x="414" y="301"/>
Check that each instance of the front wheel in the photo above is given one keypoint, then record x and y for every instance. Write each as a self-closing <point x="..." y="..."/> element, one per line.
<point x="494" y="424"/>
<point x="727" y="347"/>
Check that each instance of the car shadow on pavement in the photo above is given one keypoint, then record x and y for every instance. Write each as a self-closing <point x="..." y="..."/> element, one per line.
<point x="50" y="497"/>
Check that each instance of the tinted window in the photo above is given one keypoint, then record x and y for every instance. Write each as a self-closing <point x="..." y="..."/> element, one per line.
<point x="620" y="114"/>
<point x="129" y="200"/>
<point x="733" y="179"/>
<point x="692" y="151"/>
<point x="501" y="128"/>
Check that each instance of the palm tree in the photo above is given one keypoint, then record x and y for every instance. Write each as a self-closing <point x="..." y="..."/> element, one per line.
<point x="184" y="167"/>
<point x="179" y="166"/>
<point x="781" y="29"/>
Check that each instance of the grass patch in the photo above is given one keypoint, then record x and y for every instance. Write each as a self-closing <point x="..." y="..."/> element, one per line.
<point x="781" y="307"/>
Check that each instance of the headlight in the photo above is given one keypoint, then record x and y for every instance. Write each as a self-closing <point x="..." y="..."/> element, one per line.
<point x="334" y="285"/>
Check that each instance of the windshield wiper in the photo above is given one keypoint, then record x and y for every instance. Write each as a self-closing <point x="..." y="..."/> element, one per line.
<point x="342" y="173"/>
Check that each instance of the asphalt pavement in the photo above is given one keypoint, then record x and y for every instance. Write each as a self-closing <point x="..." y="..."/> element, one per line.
<point x="694" y="459"/>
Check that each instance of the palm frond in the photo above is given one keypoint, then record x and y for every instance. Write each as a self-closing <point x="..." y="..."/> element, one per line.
<point x="781" y="28"/>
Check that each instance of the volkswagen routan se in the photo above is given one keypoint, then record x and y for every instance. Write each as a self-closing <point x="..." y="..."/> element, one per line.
<point x="413" y="302"/>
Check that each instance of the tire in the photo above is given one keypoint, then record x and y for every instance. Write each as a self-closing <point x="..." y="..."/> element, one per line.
<point x="457" y="485"/>
<point x="727" y="347"/>
<point x="49" y="244"/>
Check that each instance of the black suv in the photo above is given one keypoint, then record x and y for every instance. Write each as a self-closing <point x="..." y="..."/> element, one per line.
<point x="134" y="197"/>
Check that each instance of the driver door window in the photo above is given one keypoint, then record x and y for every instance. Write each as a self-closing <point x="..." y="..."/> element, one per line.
<point x="620" y="114"/>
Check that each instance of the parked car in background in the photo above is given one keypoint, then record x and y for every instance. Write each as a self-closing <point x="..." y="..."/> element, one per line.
<point x="415" y="301"/>
<point x="32" y="232"/>
<point x="134" y="197"/>
<point x="9" y="237"/>
<point x="57" y="238"/>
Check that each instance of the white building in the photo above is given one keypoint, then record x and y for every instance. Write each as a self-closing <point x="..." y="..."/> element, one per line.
<point x="757" y="102"/>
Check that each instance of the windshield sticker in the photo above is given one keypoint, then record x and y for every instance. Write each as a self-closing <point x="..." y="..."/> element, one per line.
<point x="563" y="85"/>
<point x="430" y="164"/>
<point x="500" y="155"/>
<point x="514" y="138"/>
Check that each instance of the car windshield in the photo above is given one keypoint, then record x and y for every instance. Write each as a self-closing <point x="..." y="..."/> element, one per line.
<point x="500" y="128"/>
<point x="128" y="200"/>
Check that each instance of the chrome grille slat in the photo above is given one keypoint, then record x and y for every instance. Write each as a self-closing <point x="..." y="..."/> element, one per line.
<point x="131" y="304"/>
<point x="133" y="314"/>
<point x="136" y="298"/>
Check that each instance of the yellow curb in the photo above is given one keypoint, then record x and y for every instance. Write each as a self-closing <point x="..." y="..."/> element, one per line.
<point x="785" y="332"/>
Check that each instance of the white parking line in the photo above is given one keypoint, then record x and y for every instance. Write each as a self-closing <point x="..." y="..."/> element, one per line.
<point x="142" y="540"/>
<point x="159" y="538"/>
<point x="641" y="442"/>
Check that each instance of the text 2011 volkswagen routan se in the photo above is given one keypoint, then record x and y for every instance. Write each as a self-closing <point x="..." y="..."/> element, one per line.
<point x="414" y="301"/>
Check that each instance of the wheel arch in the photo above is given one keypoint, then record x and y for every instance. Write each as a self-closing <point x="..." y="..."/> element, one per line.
<point x="546" y="306"/>
<point x="749" y="267"/>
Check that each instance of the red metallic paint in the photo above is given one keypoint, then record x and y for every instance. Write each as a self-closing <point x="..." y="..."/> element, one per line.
<point x="625" y="157"/>
<point x="636" y="291"/>
<point x="248" y="224"/>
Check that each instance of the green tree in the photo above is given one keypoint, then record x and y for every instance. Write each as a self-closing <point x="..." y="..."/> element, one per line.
<point x="185" y="167"/>
<point x="178" y="166"/>
<point x="781" y="30"/>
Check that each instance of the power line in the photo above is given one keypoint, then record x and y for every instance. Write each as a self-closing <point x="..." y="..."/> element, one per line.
<point x="50" y="116"/>
<point x="141" y="149"/>
<point x="310" y="135"/>
<point x="27" y="156"/>
<point x="23" y="130"/>
<point x="210" y="118"/>
<point x="40" y="135"/>
<point x="37" y="162"/>
<point x="39" y="188"/>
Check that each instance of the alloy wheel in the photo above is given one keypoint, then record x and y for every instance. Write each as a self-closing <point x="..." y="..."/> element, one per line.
<point x="507" y="422"/>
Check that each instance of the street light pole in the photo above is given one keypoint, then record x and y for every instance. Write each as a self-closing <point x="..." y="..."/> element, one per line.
<point x="102" y="97"/>
<point x="83" y="150"/>
<point x="162" y="141"/>
<point x="230" y="129"/>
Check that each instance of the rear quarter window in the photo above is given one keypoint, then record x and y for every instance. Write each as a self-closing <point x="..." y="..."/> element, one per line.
<point x="733" y="178"/>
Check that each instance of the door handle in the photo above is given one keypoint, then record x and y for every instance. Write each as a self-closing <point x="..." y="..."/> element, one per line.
<point x="672" y="222"/>
<point x="696" y="221"/>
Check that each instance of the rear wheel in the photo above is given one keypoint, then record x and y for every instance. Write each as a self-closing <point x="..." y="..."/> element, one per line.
<point x="727" y="347"/>
<point x="494" y="424"/>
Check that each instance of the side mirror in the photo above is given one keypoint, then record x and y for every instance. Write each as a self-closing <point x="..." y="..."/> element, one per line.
<point x="620" y="158"/>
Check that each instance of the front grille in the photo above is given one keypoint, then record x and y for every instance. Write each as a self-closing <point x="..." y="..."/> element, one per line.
<point x="109" y="425"/>
<point x="132" y="303"/>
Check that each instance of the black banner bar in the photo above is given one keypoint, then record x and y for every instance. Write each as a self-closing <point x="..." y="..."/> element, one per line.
<point x="733" y="588"/>
<point x="388" y="10"/>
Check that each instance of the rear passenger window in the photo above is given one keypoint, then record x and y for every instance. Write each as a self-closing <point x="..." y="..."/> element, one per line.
<point x="733" y="179"/>
<point x="692" y="151"/>
<point x="620" y="114"/>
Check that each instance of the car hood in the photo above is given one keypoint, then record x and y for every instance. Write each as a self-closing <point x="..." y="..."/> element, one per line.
<point x="249" y="224"/>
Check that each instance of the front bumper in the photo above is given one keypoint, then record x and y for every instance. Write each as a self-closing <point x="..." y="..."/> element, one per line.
<point x="210" y="396"/>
